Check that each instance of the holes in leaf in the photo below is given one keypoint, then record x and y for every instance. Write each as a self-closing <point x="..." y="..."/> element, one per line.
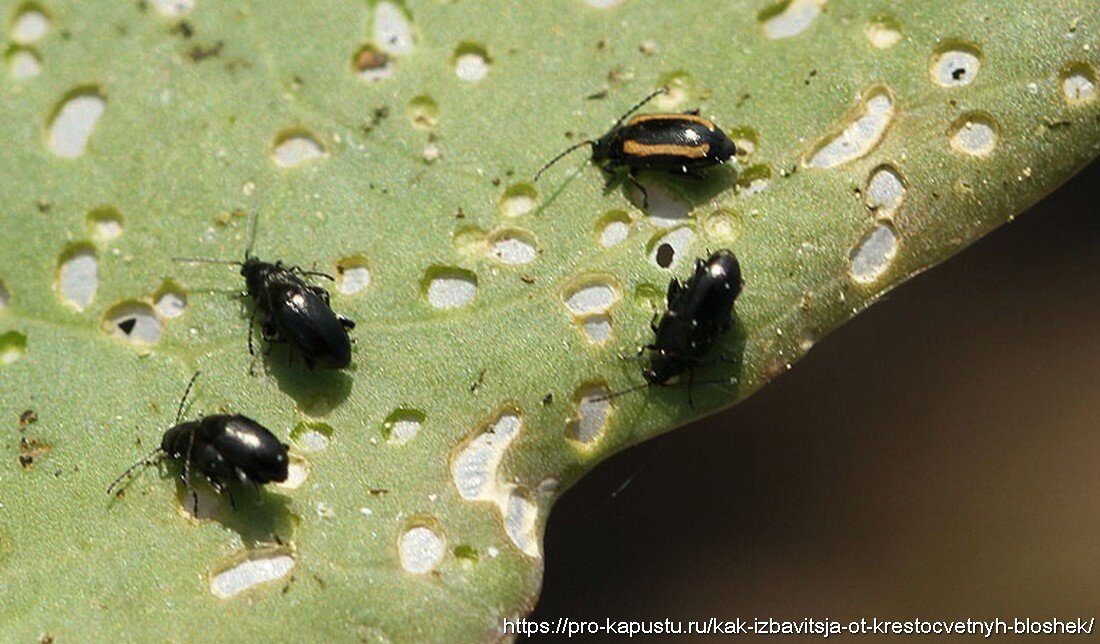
<point x="297" y="471"/>
<point x="471" y="62"/>
<point x="253" y="569"/>
<point x="420" y="547"/>
<point x="74" y="120"/>
<point x="23" y="62"/>
<point x="449" y="287"/>
<point x="520" y="516"/>
<point x="613" y="228"/>
<point x="678" y="86"/>
<point x="513" y="246"/>
<point x="859" y="132"/>
<point x="13" y="345"/>
<point x="402" y="425"/>
<point x="173" y="8"/>
<point x="666" y="250"/>
<point x="790" y="17"/>
<point x="311" y="436"/>
<point x="885" y="190"/>
<point x="370" y="64"/>
<point x="723" y="225"/>
<point x="77" y="275"/>
<point x="133" y="321"/>
<point x="393" y="29"/>
<point x="352" y="274"/>
<point x="31" y="24"/>
<point x="296" y="147"/>
<point x="474" y="468"/>
<point x="518" y="199"/>
<point x="974" y="134"/>
<point x="1078" y="84"/>
<point x="754" y="180"/>
<point x="590" y="296"/>
<point x="597" y="328"/>
<point x="104" y="224"/>
<point x="873" y="255"/>
<point x="884" y="32"/>
<point x="956" y="64"/>
<point x="170" y="300"/>
<point x="423" y="112"/>
<point x="591" y="417"/>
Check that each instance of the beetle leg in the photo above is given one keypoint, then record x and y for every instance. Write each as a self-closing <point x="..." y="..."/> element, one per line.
<point x="251" y="323"/>
<point x="645" y="193"/>
<point x="694" y="112"/>
<point x="346" y="322"/>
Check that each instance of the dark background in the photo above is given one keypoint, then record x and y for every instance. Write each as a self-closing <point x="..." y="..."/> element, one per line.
<point x="937" y="457"/>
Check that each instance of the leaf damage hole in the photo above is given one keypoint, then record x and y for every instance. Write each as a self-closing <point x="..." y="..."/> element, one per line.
<point x="393" y="29"/>
<point x="677" y="87"/>
<point x="885" y="191"/>
<point x="593" y="411"/>
<point x="956" y="65"/>
<point x="13" y="345"/>
<point x="723" y="225"/>
<point x="77" y="275"/>
<point x="514" y="247"/>
<point x="873" y="255"/>
<point x="297" y="471"/>
<point x="31" y="24"/>
<point x="746" y="140"/>
<point x="974" y="134"/>
<point x="311" y="436"/>
<point x="370" y="64"/>
<point x="133" y="321"/>
<point x="666" y="249"/>
<point x="597" y="328"/>
<point x="602" y="4"/>
<point x="23" y="63"/>
<point x="296" y="147"/>
<point x="613" y="228"/>
<point x="883" y="32"/>
<point x="754" y="180"/>
<point x="255" y="569"/>
<point x="170" y="300"/>
<point x="173" y="8"/>
<point x="665" y="208"/>
<point x="420" y="549"/>
<point x="73" y="122"/>
<point x="471" y="62"/>
<point x="423" y="112"/>
<point x="1078" y="84"/>
<point x="104" y="224"/>
<point x="449" y="287"/>
<point x="518" y="199"/>
<point x="474" y="469"/>
<point x="520" y="516"/>
<point x="860" y="132"/>
<point x="402" y="425"/>
<point x="590" y="296"/>
<point x="353" y="274"/>
<point x="789" y="18"/>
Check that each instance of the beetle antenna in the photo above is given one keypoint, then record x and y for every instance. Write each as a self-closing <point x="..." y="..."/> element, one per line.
<point x="623" y="392"/>
<point x="559" y="157"/>
<point x="144" y="461"/>
<point x="251" y="232"/>
<point x="656" y="92"/>
<point x="207" y="260"/>
<point x="190" y="383"/>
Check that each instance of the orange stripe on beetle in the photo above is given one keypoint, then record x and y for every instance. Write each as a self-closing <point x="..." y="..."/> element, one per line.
<point x="694" y="118"/>
<point x="635" y="149"/>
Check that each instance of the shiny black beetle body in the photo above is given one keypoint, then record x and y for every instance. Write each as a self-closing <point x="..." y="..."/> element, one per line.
<point x="699" y="312"/>
<point x="224" y="448"/>
<point x="293" y="311"/>
<point x="682" y="144"/>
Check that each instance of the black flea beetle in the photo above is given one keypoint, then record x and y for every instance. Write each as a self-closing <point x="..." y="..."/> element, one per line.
<point x="290" y="310"/>
<point x="223" y="448"/>
<point x="682" y="144"/>
<point x="698" y="312"/>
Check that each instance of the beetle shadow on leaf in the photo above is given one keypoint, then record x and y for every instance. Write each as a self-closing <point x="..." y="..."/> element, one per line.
<point x="717" y="381"/>
<point x="671" y="196"/>
<point x="317" y="391"/>
<point x="259" y="516"/>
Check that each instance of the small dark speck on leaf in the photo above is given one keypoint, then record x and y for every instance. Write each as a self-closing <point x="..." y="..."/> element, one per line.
<point x="378" y="491"/>
<point x="28" y="417"/>
<point x="527" y="279"/>
<point x="200" y="53"/>
<point x="44" y="205"/>
<point x="597" y="95"/>
<point x="183" y="28"/>
<point x="496" y="181"/>
<point x="548" y="399"/>
<point x="460" y="214"/>
<point x="743" y="99"/>
<point x="477" y="383"/>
